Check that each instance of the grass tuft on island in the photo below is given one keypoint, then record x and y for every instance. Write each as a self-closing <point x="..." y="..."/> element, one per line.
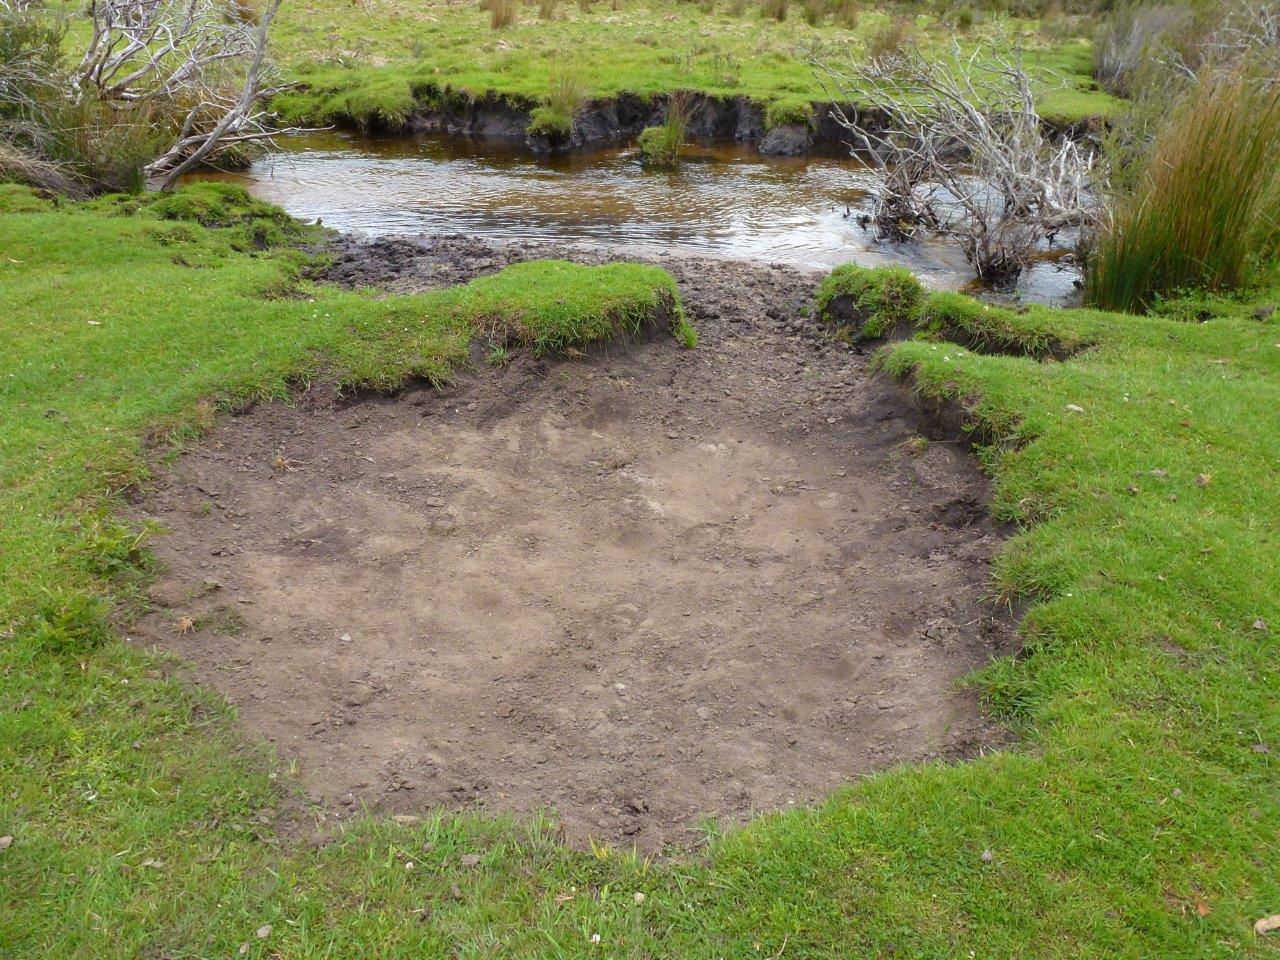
<point x="1137" y="821"/>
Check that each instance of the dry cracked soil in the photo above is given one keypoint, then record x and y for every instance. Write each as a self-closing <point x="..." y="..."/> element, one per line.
<point x="640" y="589"/>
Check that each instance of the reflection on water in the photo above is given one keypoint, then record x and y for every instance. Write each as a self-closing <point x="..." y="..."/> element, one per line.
<point x="725" y="201"/>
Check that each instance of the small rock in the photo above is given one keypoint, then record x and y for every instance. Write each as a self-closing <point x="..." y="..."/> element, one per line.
<point x="987" y="856"/>
<point x="263" y="931"/>
<point x="639" y="897"/>
<point x="406" y="819"/>
<point x="1075" y="408"/>
<point x="469" y="859"/>
<point x="1267" y="925"/>
<point x="5" y="843"/>
<point x="1260" y="624"/>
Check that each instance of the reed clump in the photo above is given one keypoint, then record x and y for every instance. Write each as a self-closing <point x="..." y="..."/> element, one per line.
<point x="1204" y="211"/>
<point x="502" y="13"/>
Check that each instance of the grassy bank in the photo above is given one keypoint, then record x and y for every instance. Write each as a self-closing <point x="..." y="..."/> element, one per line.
<point x="1138" y="820"/>
<point x="377" y="62"/>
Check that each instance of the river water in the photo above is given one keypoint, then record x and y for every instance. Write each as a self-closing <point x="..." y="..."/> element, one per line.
<point x="724" y="201"/>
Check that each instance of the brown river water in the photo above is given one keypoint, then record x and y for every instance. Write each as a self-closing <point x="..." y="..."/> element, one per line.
<point x="724" y="201"/>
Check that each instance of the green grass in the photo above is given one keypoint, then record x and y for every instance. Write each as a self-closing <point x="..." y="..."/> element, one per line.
<point x="1137" y="820"/>
<point x="376" y="62"/>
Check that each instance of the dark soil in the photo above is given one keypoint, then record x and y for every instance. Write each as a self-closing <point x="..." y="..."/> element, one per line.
<point x="641" y="589"/>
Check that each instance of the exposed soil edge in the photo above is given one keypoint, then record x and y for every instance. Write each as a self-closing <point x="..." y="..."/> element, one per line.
<point x="492" y="115"/>
<point x="1053" y="350"/>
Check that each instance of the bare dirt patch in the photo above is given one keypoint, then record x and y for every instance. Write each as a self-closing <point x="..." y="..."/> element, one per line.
<point x="641" y="589"/>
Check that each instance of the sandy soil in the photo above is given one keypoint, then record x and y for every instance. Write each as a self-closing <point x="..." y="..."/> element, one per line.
<point x="641" y="589"/>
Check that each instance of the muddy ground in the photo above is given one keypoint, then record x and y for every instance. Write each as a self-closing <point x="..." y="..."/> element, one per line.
<point x="642" y="589"/>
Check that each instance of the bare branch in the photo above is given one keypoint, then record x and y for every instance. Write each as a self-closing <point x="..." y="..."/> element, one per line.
<point x="203" y="65"/>
<point x="960" y="150"/>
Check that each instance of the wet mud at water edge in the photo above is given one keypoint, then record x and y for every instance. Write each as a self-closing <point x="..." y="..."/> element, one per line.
<point x="725" y="201"/>
<point x="640" y="589"/>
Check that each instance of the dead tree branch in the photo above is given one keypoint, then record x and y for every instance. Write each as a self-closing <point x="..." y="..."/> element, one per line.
<point x="959" y="150"/>
<point x="207" y="68"/>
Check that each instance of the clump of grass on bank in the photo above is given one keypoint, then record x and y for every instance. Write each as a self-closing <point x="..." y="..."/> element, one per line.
<point x="566" y="95"/>
<point x="1205" y="212"/>
<point x="661" y="146"/>
<point x="867" y="303"/>
<point x="1135" y="820"/>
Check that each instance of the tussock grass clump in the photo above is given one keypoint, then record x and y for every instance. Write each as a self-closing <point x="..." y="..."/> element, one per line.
<point x="1205" y="212"/>
<point x="846" y="13"/>
<point x="502" y="13"/>
<point x="726" y="69"/>
<point x="868" y="302"/>
<point x="660" y="146"/>
<point x="774" y="9"/>
<point x="566" y="95"/>
<point x="890" y="39"/>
